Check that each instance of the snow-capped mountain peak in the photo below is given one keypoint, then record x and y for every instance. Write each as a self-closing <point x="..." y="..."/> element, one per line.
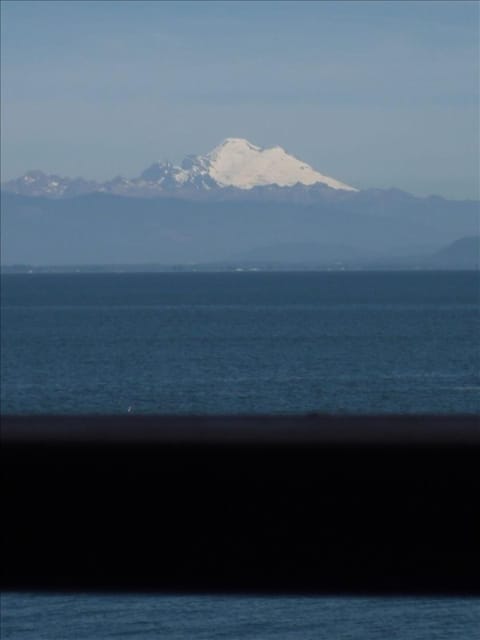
<point x="236" y="162"/>
<point x="233" y="144"/>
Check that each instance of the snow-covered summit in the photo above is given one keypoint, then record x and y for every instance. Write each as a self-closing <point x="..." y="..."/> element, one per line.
<point x="236" y="162"/>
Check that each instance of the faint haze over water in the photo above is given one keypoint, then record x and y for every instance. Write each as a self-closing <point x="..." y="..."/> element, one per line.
<point x="377" y="94"/>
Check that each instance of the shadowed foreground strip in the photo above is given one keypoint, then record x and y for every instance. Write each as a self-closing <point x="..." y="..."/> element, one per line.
<point x="316" y="504"/>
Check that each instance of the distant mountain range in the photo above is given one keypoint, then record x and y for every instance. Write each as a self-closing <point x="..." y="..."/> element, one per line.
<point x="234" y="165"/>
<point x="238" y="204"/>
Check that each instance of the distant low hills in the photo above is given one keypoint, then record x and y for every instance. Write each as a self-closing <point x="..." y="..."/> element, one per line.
<point x="312" y="253"/>
<point x="461" y="254"/>
<point x="105" y="229"/>
<point x="464" y="253"/>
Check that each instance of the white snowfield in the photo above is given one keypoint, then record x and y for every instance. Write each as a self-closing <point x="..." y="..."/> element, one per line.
<point x="238" y="163"/>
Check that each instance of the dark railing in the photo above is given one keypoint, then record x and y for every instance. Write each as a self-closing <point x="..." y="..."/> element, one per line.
<point x="279" y="504"/>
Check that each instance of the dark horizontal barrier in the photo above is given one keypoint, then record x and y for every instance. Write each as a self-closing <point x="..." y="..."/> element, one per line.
<point x="278" y="504"/>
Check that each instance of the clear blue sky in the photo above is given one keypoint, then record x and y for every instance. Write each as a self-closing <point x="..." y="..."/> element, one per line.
<point x="376" y="94"/>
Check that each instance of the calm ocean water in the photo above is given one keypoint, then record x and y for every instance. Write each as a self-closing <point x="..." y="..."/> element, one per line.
<point x="246" y="343"/>
<point x="240" y="342"/>
<point x="89" y="617"/>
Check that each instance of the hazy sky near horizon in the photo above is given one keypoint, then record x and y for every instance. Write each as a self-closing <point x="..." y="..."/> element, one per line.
<point x="375" y="94"/>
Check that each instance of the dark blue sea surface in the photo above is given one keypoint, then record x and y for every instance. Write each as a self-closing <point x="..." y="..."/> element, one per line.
<point x="92" y="617"/>
<point x="241" y="342"/>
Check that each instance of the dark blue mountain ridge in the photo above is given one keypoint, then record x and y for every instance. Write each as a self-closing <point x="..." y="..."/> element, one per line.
<point x="464" y="253"/>
<point x="101" y="228"/>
